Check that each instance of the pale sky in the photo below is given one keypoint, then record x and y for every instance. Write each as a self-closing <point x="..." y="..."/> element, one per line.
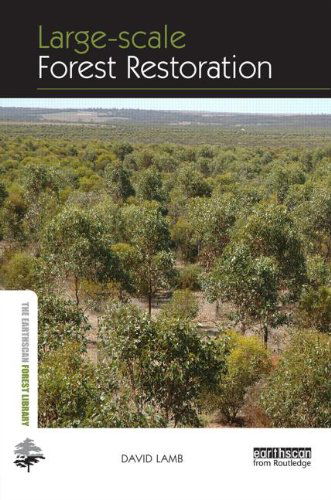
<point x="237" y="105"/>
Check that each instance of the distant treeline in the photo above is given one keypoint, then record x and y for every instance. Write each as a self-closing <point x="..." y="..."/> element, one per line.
<point x="141" y="116"/>
<point x="140" y="133"/>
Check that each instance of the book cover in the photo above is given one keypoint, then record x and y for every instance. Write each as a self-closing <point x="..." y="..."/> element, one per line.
<point x="165" y="253"/>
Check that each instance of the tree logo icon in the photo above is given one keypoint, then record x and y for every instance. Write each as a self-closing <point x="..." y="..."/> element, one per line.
<point x="27" y="454"/>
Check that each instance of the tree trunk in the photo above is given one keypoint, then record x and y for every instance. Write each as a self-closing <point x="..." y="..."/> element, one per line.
<point x="76" y="290"/>
<point x="217" y="309"/>
<point x="150" y="304"/>
<point x="265" y="335"/>
<point x="150" y="294"/>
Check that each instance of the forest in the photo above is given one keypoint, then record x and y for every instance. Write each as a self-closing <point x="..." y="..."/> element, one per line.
<point x="181" y="282"/>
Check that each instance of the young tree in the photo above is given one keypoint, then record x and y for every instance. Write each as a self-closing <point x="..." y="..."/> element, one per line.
<point x="124" y="335"/>
<point x="60" y="321"/>
<point x="211" y="220"/>
<point x="183" y="365"/>
<point x="149" y="185"/>
<point x="153" y="266"/>
<point x="67" y="389"/>
<point x="77" y="244"/>
<point x="313" y="217"/>
<point x="262" y="268"/>
<point x="192" y="182"/>
<point x="40" y="179"/>
<point x="269" y="231"/>
<point x="282" y="177"/>
<point x="184" y="237"/>
<point x="122" y="149"/>
<point x="14" y="210"/>
<point x="298" y="391"/>
<point x="73" y="392"/>
<point x="3" y="194"/>
<point x="251" y="284"/>
<point x="20" y="271"/>
<point x="246" y="362"/>
<point x="315" y="308"/>
<point x="118" y="181"/>
<point x="183" y="305"/>
<point x="165" y="363"/>
<point x="152" y="273"/>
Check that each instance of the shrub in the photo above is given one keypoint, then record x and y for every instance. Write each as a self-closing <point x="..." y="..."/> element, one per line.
<point x="165" y="363"/>
<point x="20" y="271"/>
<point x="318" y="271"/>
<point x="3" y="193"/>
<point x="189" y="277"/>
<point x="75" y="393"/>
<point x="182" y="235"/>
<point x="315" y="308"/>
<point x="60" y="321"/>
<point x="96" y="295"/>
<point x="298" y="392"/>
<point x="247" y="362"/>
<point x="183" y="305"/>
<point x="66" y="387"/>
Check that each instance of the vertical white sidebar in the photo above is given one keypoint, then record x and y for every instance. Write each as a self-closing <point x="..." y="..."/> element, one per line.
<point x="18" y="373"/>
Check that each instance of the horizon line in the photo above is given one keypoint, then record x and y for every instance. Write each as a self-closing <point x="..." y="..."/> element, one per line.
<point x="168" y="110"/>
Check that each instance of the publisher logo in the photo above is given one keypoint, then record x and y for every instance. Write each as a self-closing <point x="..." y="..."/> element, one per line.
<point x="282" y="457"/>
<point x="27" y="454"/>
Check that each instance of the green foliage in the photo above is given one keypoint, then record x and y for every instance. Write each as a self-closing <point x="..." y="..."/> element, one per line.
<point x="318" y="271"/>
<point x="270" y="231"/>
<point x="251" y="284"/>
<point x="183" y="366"/>
<point x="282" y="177"/>
<point x="146" y="228"/>
<point x="67" y="389"/>
<point x="77" y="244"/>
<point x="315" y="308"/>
<point x="129" y="259"/>
<point x="132" y="213"/>
<point x="152" y="273"/>
<point x="192" y="182"/>
<point x="60" y="321"/>
<point x="183" y="305"/>
<point x="95" y="295"/>
<point x="122" y="149"/>
<point x="14" y="210"/>
<point x="165" y="362"/>
<point x="153" y="263"/>
<point x="182" y="234"/>
<point x="75" y="393"/>
<point x="299" y="390"/>
<point x="118" y="181"/>
<point x="40" y="179"/>
<point x="3" y="194"/>
<point x="313" y="217"/>
<point x="20" y="271"/>
<point x="189" y="277"/>
<point x="246" y="362"/>
<point x="211" y="221"/>
<point x="149" y="185"/>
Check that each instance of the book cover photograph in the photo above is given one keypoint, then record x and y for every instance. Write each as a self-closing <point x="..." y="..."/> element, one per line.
<point x="165" y="260"/>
